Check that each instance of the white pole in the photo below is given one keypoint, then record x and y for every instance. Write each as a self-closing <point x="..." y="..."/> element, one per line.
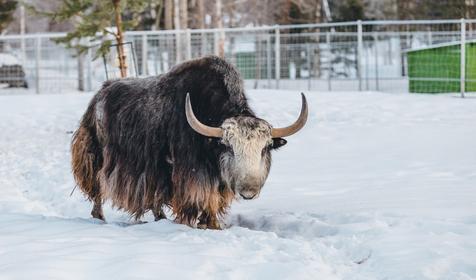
<point x="463" y="57"/>
<point x="277" y="51"/>
<point x="188" y="37"/>
<point x="376" y="62"/>
<point x="37" y="64"/>
<point x="22" y="32"/>
<point x="216" y="43"/>
<point x="89" y="82"/>
<point x="268" y="60"/>
<point x="360" y="48"/>
<point x="329" y="75"/>
<point x="309" y="65"/>
<point x="144" y="55"/>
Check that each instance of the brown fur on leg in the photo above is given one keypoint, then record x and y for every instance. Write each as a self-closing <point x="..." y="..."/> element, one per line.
<point x="83" y="162"/>
<point x="210" y="201"/>
<point x="208" y="221"/>
<point x="97" y="209"/>
<point x="159" y="214"/>
<point x="86" y="163"/>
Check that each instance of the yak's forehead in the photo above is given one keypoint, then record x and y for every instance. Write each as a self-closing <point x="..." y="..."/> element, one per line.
<point x="247" y="129"/>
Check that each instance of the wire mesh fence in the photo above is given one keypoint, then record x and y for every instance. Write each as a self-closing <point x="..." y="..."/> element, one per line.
<point x="391" y="56"/>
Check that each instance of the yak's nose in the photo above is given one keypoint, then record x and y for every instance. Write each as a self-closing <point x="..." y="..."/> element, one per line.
<point x="248" y="194"/>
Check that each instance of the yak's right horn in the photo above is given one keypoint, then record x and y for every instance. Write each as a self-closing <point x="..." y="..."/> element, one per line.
<point x="199" y="127"/>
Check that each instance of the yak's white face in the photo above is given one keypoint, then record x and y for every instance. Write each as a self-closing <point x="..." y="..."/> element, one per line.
<point x="246" y="163"/>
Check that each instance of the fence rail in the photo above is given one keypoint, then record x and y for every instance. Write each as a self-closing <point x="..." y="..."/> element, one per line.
<point x="396" y="56"/>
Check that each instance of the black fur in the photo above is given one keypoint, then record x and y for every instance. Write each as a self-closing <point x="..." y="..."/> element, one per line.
<point x="141" y="139"/>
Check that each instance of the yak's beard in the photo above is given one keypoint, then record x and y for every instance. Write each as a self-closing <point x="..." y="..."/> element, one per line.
<point x="244" y="177"/>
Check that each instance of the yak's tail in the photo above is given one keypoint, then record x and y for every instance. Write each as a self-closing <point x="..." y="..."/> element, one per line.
<point x="86" y="153"/>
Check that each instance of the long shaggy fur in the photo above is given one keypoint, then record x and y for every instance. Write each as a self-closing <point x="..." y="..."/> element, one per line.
<point x="135" y="147"/>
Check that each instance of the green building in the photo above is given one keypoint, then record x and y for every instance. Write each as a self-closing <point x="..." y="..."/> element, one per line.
<point x="437" y="69"/>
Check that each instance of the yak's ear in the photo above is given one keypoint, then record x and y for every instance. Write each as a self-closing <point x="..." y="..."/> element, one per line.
<point x="279" y="142"/>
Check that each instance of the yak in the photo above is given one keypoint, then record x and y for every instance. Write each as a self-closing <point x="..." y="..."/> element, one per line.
<point x="186" y="140"/>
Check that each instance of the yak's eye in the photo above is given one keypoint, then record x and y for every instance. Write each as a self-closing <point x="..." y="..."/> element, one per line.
<point x="230" y="150"/>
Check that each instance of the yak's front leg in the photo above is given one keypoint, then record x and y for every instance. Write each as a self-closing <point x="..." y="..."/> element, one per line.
<point x="159" y="214"/>
<point x="97" y="208"/>
<point x="208" y="221"/>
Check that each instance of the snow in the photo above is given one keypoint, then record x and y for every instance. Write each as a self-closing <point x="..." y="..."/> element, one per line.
<point x="377" y="186"/>
<point x="8" y="59"/>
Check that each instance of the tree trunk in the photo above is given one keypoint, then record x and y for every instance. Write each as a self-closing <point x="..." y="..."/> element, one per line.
<point x="168" y="15"/>
<point x="178" y="42"/>
<point x="120" y="39"/>
<point x="201" y="14"/>
<point x="183" y="14"/>
<point x="177" y="14"/>
<point x="157" y="11"/>
<point x="219" y="25"/>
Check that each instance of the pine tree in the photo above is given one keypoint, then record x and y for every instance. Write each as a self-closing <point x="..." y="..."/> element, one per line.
<point x="95" y="21"/>
<point x="7" y="8"/>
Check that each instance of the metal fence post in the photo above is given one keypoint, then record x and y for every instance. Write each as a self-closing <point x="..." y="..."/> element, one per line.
<point x="178" y="47"/>
<point x="37" y="65"/>
<point x="144" y="54"/>
<point x="360" y="48"/>
<point x="89" y="82"/>
<point x="309" y="65"/>
<point x="329" y="64"/>
<point x="376" y="62"/>
<point x="463" y="58"/>
<point x="188" y="39"/>
<point x="22" y="32"/>
<point x="216" y="43"/>
<point x="268" y="60"/>
<point x="277" y="51"/>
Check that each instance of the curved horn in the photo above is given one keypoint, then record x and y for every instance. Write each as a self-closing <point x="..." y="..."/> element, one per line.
<point x="197" y="125"/>
<point x="296" y="126"/>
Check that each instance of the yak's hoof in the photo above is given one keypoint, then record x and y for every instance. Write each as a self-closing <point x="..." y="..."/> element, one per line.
<point x="159" y="217"/>
<point x="215" y="226"/>
<point x="97" y="215"/>
<point x="210" y="225"/>
<point x="202" y="226"/>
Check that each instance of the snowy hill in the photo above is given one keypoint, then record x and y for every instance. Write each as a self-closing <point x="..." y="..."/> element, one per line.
<point x="377" y="186"/>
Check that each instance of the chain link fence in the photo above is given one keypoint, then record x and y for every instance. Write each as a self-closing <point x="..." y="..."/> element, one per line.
<point x="390" y="56"/>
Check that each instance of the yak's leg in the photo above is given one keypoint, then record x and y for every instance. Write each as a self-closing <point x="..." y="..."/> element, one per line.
<point x="97" y="208"/>
<point x="208" y="221"/>
<point x="185" y="214"/>
<point x="86" y="163"/>
<point x="159" y="214"/>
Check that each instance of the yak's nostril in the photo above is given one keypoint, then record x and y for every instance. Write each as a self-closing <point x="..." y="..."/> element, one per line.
<point x="248" y="195"/>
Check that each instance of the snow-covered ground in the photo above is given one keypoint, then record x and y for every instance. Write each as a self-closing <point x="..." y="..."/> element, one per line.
<point x="377" y="186"/>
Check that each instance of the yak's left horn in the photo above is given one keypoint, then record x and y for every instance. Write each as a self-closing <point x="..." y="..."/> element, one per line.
<point x="296" y="126"/>
<point x="199" y="127"/>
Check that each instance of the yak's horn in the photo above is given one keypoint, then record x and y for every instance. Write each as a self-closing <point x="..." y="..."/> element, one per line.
<point x="197" y="125"/>
<point x="296" y="126"/>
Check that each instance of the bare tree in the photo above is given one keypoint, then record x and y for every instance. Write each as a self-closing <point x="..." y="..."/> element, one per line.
<point x="120" y="38"/>
<point x="200" y="14"/>
<point x="183" y="14"/>
<point x="218" y="17"/>
<point x="168" y="14"/>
